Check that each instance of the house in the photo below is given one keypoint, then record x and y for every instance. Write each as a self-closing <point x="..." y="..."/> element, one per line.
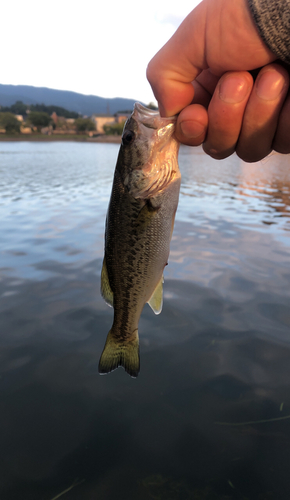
<point x="101" y="120"/>
<point x="122" y="116"/>
<point x="25" y="130"/>
<point x="54" y="118"/>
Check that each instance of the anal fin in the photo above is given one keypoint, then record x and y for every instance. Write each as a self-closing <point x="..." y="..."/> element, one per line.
<point x="106" y="290"/>
<point x="156" y="299"/>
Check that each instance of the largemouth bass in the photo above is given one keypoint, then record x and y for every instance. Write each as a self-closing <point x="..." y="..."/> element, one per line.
<point x="139" y="226"/>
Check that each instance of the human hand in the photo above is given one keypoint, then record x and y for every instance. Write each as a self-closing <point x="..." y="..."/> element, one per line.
<point x="215" y="48"/>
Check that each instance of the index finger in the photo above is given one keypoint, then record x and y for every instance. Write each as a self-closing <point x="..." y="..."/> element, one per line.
<point x="172" y="70"/>
<point x="170" y="88"/>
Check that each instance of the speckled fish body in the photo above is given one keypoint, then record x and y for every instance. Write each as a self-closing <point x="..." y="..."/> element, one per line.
<point x="139" y="226"/>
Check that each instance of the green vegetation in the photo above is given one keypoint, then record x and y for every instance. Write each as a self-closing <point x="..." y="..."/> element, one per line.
<point x="151" y="105"/>
<point x="114" y="128"/>
<point x="39" y="119"/>
<point x="84" y="125"/>
<point x="19" y="108"/>
<point x="38" y="116"/>
<point x="124" y="112"/>
<point x="54" y="109"/>
<point x="10" y="123"/>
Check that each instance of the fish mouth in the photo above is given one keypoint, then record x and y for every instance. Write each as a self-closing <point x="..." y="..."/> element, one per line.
<point x="151" y="118"/>
<point x="152" y="127"/>
<point x="160" y="150"/>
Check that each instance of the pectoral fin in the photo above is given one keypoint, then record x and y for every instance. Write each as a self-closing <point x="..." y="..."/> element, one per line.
<point x="106" y="290"/>
<point x="156" y="300"/>
<point x="146" y="214"/>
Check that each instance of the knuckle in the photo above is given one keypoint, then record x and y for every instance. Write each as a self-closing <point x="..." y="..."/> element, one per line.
<point x="150" y="72"/>
<point x="217" y="154"/>
<point x="282" y="148"/>
<point x="252" y="154"/>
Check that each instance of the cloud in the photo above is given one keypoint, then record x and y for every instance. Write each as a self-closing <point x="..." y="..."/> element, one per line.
<point x="174" y="12"/>
<point x="172" y="19"/>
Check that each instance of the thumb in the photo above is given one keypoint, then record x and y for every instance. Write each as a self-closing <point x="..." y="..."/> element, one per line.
<point x="172" y="70"/>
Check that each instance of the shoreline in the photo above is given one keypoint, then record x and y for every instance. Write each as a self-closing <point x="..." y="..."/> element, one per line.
<point x="113" y="139"/>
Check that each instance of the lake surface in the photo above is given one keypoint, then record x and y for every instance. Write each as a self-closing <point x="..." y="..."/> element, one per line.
<point x="208" y="416"/>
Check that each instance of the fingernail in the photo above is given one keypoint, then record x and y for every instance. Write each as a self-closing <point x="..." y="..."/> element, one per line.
<point x="191" y="129"/>
<point x="233" y="89"/>
<point x="269" y="85"/>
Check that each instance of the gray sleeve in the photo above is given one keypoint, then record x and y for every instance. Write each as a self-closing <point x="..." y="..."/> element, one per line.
<point x="272" y="18"/>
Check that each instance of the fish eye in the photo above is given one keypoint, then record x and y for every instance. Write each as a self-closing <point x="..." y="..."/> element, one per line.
<point x="128" y="137"/>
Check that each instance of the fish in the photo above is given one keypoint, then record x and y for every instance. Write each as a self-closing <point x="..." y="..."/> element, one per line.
<point x="139" y="225"/>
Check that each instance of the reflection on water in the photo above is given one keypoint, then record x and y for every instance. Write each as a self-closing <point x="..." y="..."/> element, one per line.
<point x="208" y="416"/>
<point x="258" y="192"/>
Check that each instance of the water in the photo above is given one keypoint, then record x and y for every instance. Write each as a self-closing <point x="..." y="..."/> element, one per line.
<point x="207" y="417"/>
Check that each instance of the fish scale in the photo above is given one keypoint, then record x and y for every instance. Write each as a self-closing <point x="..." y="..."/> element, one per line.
<point x="139" y="225"/>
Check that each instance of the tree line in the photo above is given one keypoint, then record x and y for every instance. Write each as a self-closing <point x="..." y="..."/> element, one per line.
<point x="39" y="116"/>
<point x="38" y="119"/>
<point x="19" y="108"/>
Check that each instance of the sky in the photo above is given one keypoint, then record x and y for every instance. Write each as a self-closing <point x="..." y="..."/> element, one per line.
<point x="98" y="47"/>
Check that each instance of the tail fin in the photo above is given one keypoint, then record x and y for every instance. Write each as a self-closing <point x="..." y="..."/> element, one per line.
<point x="119" y="353"/>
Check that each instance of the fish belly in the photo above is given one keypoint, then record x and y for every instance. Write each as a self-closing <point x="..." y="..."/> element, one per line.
<point x="137" y="242"/>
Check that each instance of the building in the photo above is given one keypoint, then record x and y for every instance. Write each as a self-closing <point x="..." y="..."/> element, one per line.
<point x="122" y="116"/>
<point x="101" y="120"/>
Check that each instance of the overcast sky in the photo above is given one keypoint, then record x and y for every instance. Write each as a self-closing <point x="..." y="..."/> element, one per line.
<point x="98" y="47"/>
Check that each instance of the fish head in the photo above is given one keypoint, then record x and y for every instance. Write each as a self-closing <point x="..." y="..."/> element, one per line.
<point x="148" y="154"/>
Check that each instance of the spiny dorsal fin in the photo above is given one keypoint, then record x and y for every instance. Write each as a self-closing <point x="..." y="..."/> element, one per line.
<point x="106" y="290"/>
<point x="156" y="300"/>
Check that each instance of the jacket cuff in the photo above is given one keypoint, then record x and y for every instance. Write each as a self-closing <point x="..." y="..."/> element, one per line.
<point x="272" y="19"/>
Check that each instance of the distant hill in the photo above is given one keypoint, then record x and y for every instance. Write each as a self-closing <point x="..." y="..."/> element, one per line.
<point x="83" y="104"/>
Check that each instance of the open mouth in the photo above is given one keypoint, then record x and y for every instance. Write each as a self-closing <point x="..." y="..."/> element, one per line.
<point x="151" y="118"/>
